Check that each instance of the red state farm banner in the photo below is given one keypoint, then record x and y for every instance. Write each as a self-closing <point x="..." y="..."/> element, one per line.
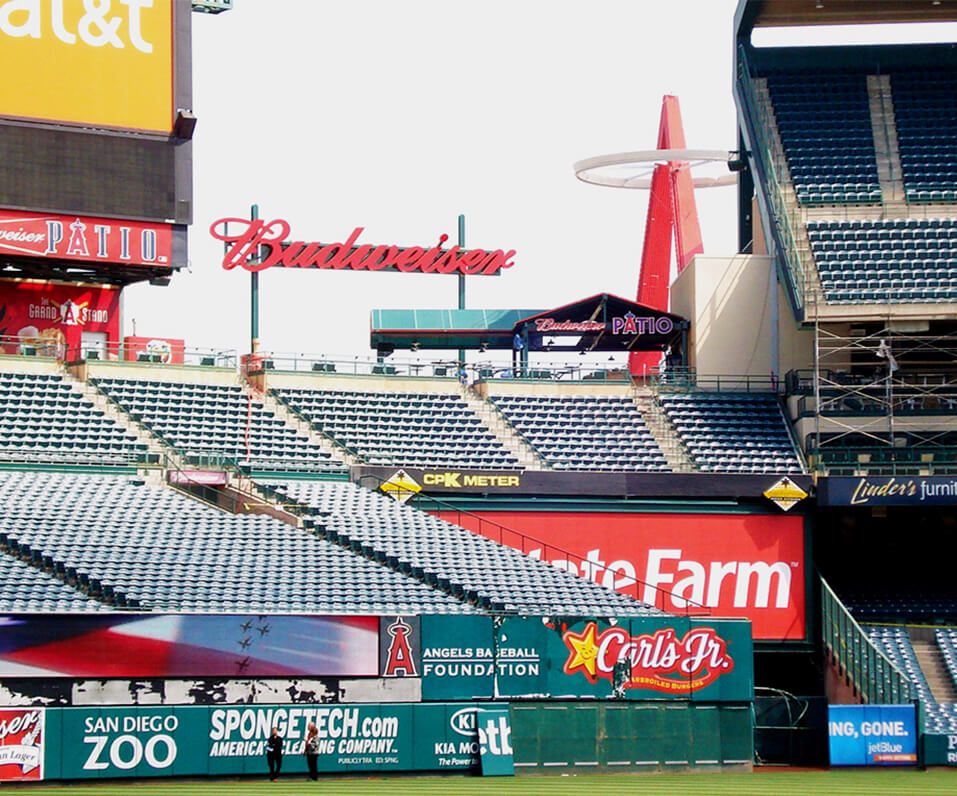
<point x="85" y="238"/>
<point x="48" y="319"/>
<point x="735" y="565"/>
<point x="21" y="744"/>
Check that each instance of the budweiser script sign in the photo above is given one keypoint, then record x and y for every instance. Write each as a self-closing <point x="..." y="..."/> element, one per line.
<point x="257" y="245"/>
<point x="659" y="661"/>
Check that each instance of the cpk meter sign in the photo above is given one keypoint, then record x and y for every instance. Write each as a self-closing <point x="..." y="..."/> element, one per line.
<point x="733" y="565"/>
<point x="106" y="63"/>
<point x="84" y="238"/>
<point x="257" y="245"/>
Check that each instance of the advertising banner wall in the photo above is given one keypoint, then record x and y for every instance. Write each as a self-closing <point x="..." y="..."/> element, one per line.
<point x="85" y="238"/>
<point x="178" y="645"/>
<point x="22" y="739"/>
<point x="87" y="743"/>
<point x="940" y="750"/>
<point x="108" y="63"/>
<point x="47" y="319"/>
<point x="734" y="565"/>
<point x="877" y="490"/>
<point x="872" y="735"/>
<point x="467" y="657"/>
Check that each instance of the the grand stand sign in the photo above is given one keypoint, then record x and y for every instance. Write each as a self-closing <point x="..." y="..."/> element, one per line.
<point x="257" y="245"/>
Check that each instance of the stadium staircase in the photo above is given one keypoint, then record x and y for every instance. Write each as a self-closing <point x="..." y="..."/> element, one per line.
<point x="663" y="430"/>
<point x="881" y="103"/>
<point x="282" y="410"/>
<point x="506" y="434"/>
<point x="931" y="660"/>
<point x="161" y="451"/>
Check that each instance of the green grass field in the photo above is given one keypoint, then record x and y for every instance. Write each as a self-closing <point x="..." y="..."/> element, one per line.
<point x="763" y="783"/>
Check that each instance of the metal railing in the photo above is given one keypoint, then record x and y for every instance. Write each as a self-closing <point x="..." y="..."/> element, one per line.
<point x="159" y="354"/>
<point x="560" y="558"/>
<point x="868" y="670"/>
<point x="487" y="370"/>
<point x="688" y="380"/>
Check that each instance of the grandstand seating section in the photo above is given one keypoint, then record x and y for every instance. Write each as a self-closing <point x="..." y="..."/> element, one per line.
<point x="903" y="260"/>
<point x="408" y="428"/>
<point x="26" y="588"/>
<point x="733" y="432"/>
<point x="926" y="123"/>
<point x="584" y="432"/>
<point x="163" y="550"/>
<point x="45" y="420"/>
<point x="450" y="557"/>
<point x="824" y="122"/>
<point x="895" y="643"/>
<point x="208" y="421"/>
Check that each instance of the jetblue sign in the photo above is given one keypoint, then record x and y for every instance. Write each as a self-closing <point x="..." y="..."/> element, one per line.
<point x="872" y="735"/>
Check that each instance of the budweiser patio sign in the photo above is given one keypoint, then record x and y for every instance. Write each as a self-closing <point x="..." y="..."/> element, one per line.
<point x="658" y="661"/>
<point x="84" y="238"/>
<point x="257" y="245"/>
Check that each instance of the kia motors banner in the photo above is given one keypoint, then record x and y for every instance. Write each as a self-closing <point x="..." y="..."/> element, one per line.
<point x="48" y="319"/>
<point x="84" y="238"/>
<point x="872" y="735"/>
<point x="888" y="490"/>
<point x="103" y="63"/>
<point x="182" y="645"/>
<point x="731" y="565"/>
<point x="84" y="743"/>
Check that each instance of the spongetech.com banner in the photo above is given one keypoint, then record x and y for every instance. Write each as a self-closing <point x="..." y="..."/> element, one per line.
<point x="196" y="741"/>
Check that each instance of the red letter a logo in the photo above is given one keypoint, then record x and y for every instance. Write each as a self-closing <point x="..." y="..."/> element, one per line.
<point x="401" y="661"/>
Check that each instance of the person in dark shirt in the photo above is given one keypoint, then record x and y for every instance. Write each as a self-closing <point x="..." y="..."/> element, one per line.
<point x="311" y="748"/>
<point x="274" y="753"/>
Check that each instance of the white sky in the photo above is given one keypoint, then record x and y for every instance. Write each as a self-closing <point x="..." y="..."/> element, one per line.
<point x="398" y="116"/>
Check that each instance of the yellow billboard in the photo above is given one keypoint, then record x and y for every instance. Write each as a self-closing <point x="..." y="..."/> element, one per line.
<point x="104" y="63"/>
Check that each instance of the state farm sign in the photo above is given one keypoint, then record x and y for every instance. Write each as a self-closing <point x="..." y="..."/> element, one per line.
<point x="742" y="566"/>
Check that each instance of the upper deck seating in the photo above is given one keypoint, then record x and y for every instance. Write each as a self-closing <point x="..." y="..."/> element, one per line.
<point x="584" y="432"/>
<point x="401" y="428"/>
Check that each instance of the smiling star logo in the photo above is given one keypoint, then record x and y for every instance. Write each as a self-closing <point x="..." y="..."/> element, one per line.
<point x="583" y="652"/>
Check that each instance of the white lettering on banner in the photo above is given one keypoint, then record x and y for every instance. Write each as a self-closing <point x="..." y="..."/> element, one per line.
<point x="18" y="723"/>
<point x="703" y="587"/>
<point x="128" y="751"/>
<point x="341" y="730"/>
<point x="24" y="18"/>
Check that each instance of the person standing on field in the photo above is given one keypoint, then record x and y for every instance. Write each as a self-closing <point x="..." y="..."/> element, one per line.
<point x="274" y="753"/>
<point x="311" y="749"/>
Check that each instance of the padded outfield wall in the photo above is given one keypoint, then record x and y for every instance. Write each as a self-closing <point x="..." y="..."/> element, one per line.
<point x="170" y="695"/>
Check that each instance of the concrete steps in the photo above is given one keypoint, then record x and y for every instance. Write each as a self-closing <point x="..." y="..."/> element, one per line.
<point x="935" y="670"/>
<point x="663" y="431"/>
<point x="303" y="427"/>
<point x="504" y="432"/>
<point x="168" y="457"/>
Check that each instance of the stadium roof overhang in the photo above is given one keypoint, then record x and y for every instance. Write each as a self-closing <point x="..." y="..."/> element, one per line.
<point x="787" y="13"/>
<point x="598" y="323"/>
<point x="78" y="271"/>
